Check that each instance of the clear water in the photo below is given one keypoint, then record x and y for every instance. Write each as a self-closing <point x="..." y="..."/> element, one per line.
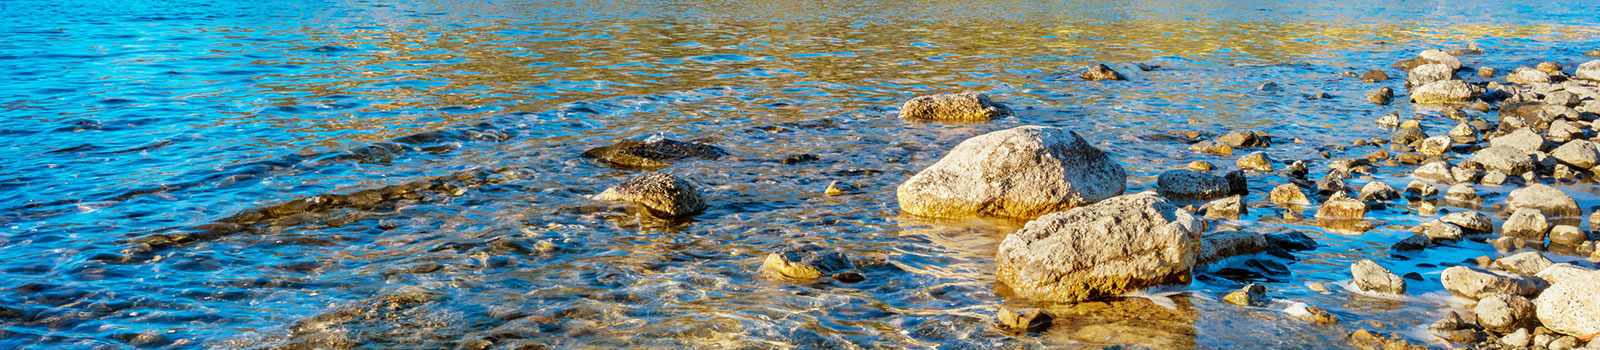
<point x="128" y="124"/>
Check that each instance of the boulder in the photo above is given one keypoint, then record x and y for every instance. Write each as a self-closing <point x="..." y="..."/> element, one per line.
<point x="1255" y="161"/>
<point x="1562" y="131"/>
<point x="1509" y="160"/>
<point x="1505" y="313"/>
<point x="1475" y="284"/>
<point x="957" y="107"/>
<point x="664" y="195"/>
<point x="1188" y="185"/>
<point x="1100" y="72"/>
<point x="805" y="262"/>
<point x="1471" y="222"/>
<point x="1546" y="199"/>
<point x="1527" y="224"/>
<point x="1443" y="92"/>
<point x="1022" y="172"/>
<point x="1442" y="231"/>
<point x="1523" y="139"/>
<point x="1588" y="71"/>
<point x="652" y="154"/>
<point x="1373" y="278"/>
<point x="1578" y="153"/>
<point x="1570" y="306"/>
<point x="1524" y="263"/>
<point x="1108" y="248"/>
<point x="1567" y="235"/>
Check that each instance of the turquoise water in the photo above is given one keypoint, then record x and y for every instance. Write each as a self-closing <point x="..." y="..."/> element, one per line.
<point x="132" y="128"/>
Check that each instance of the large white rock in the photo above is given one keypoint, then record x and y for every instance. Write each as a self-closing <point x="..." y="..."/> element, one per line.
<point x="1571" y="306"/>
<point x="1108" y="248"/>
<point x="1022" y="172"/>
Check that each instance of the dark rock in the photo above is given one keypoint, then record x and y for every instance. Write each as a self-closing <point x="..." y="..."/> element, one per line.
<point x="798" y="158"/>
<point x="1292" y="240"/>
<point x="1100" y="72"/>
<point x="1186" y="185"/>
<point x="805" y="262"/>
<point x="654" y="154"/>
<point x="1023" y="321"/>
<point x="1251" y="295"/>
<point x="1412" y="243"/>
<point x="1374" y="76"/>
<point x="1381" y="96"/>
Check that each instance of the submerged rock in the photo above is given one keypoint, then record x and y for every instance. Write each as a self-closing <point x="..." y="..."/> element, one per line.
<point x="1108" y="248"/>
<point x="1255" y="161"/>
<point x="1477" y="284"/>
<point x="653" y="154"/>
<point x="1186" y="185"/>
<point x="1100" y="72"/>
<point x="1443" y="92"/>
<point x="1380" y="96"/>
<point x="1245" y="139"/>
<point x="664" y="195"/>
<point x="1570" y="306"/>
<point x="1292" y="241"/>
<point x="1341" y="207"/>
<point x="1022" y="172"/>
<point x="1253" y="294"/>
<point x="960" y="107"/>
<point x="805" y="262"/>
<point x="1374" y="76"/>
<point x="1371" y="277"/>
<point x="1210" y="146"/>
<point x="1222" y="245"/>
<point x="1546" y="199"/>
<point x="1023" y="320"/>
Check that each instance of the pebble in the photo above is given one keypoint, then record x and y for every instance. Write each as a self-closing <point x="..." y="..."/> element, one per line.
<point x="1255" y="161"/>
<point x="1461" y="192"/>
<point x="1371" y="277"/>
<point x="1253" y="294"/>
<point x="1200" y="165"/>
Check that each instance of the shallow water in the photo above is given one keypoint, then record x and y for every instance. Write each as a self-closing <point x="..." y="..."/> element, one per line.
<point x="136" y="133"/>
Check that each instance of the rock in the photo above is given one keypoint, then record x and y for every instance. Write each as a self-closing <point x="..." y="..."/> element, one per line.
<point x="1378" y="190"/>
<point x="1421" y="189"/>
<point x="1549" y="67"/>
<point x="1442" y="231"/>
<point x="1570" y="306"/>
<point x="1561" y="272"/>
<point x="1406" y="135"/>
<point x="1381" y="96"/>
<point x="1526" y="76"/>
<point x="1471" y="222"/>
<point x="1332" y="183"/>
<point x="1297" y="169"/>
<point x="1504" y="313"/>
<point x="1389" y="120"/>
<point x="1461" y="192"/>
<point x="1443" y="92"/>
<point x="1373" y="278"/>
<point x="1428" y="73"/>
<point x="835" y="188"/>
<point x="958" y="107"/>
<point x="1288" y="194"/>
<point x="1578" y="153"/>
<point x="1434" y="146"/>
<point x="1100" y="72"/>
<point x="1186" y="185"/>
<point x="1438" y="56"/>
<point x="1486" y="72"/>
<point x="1588" y="71"/>
<point x="1477" y="284"/>
<point x="1563" y="343"/>
<point x="1374" y="76"/>
<point x="1454" y="329"/>
<point x="1546" y="199"/>
<point x="1412" y="243"/>
<point x="1253" y="294"/>
<point x="1464" y="132"/>
<point x="1212" y="147"/>
<point x="805" y="262"/>
<point x="1023" y="321"/>
<point x="1200" y="165"/>
<point x="1229" y="207"/>
<point x="1341" y="207"/>
<point x="1525" y="263"/>
<point x="1495" y="178"/>
<point x="1292" y="241"/>
<point x="1022" y="172"/>
<point x="1524" y="140"/>
<point x="664" y="195"/>
<point x="1464" y="174"/>
<point x="1509" y="244"/>
<point x="1225" y="244"/>
<point x="1319" y="316"/>
<point x="653" y="154"/>
<point x="1108" y="248"/>
<point x="1255" y="161"/>
<point x="1245" y="139"/>
<point x="1567" y="235"/>
<point x="1505" y="159"/>
<point x="1517" y="339"/>
<point x="1268" y="86"/>
<point x="1563" y="98"/>
<point x="1527" y="224"/>
<point x="1438" y="171"/>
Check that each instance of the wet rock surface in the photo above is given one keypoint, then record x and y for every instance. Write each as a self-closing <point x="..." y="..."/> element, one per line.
<point x="664" y="195"/>
<point x="1107" y="248"/>
<point x="1022" y="172"/>
<point x="652" y="154"/>
<point x="958" y="107"/>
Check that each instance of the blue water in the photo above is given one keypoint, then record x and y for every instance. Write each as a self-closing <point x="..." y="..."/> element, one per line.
<point x="131" y="130"/>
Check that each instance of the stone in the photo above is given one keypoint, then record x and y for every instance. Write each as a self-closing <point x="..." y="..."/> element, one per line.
<point x="1562" y="131"/>
<point x="1563" y="343"/>
<point x="1443" y="92"/>
<point x="1332" y="182"/>
<point x="1107" y="248"/>
<point x="1453" y="328"/>
<point x="1546" y="199"/>
<point x="1319" y="316"/>
<point x="1341" y="207"/>
<point x="1255" y="161"/>
<point x="1567" y="235"/>
<point x="1200" y="165"/>
<point x="1471" y="222"/>
<point x="1438" y="171"/>
<point x="1438" y="56"/>
<point x="1549" y="67"/>
<point x="835" y="188"/>
<point x="1412" y="243"/>
<point x="1434" y="146"/>
<point x="1378" y="190"/>
<point x="1588" y="71"/>
<point x="1461" y="192"/>
<point x="1373" y="278"/>
<point x="1464" y="132"/>
<point x="1225" y="244"/>
<point x="956" y="107"/>
<point x="1428" y="73"/>
<point x="1524" y="140"/>
<point x="1509" y="160"/>
<point x="1526" y="223"/>
<point x="1292" y="241"/>
<point x="1253" y="294"/>
<point x="652" y="154"/>
<point x="1486" y="72"/>
<point x="1229" y="207"/>
<point x="1381" y="96"/>
<point x="664" y="195"/>
<point x="1030" y="320"/>
<point x="1504" y="313"/>
<point x="1563" y="98"/>
<point x="1517" y="339"/>
<point x="1100" y="72"/>
<point x="1495" y="178"/>
<point x="1288" y="194"/>
<point x="1476" y="284"/>
<point x="1578" y="153"/>
<point x="1022" y="172"/>
<point x="1570" y="306"/>
<point x="805" y="262"/>
<point x="1245" y="139"/>
<point x="1389" y="120"/>
<point x="1463" y="174"/>
<point x="1421" y="189"/>
<point x="1527" y="76"/>
<point x="1561" y="272"/>
<point x="1187" y="185"/>
<point x="1407" y="134"/>
<point x="1442" y="231"/>
<point x="1524" y="263"/>
<point x="1374" y="76"/>
<point x="1209" y="146"/>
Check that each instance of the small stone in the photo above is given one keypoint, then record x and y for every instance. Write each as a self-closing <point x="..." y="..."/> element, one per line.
<point x="1561" y="131"/>
<point x="1527" y="224"/>
<point x="1412" y="243"/>
<point x="1374" y="76"/>
<point x="1371" y="277"/>
<point x="1461" y="192"/>
<point x="1494" y="178"/>
<point x="1421" y="189"/>
<point x="835" y="188"/>
<point x="1212" y="147"/>
<point x="1509" y="244"/>
<point x="1319" y="316"/>
<point x="1567" y="235"/>
<point x="1588" y="71"/>
<point x="1549" y="67"/>
<point x="1477" y="284"/>
<point x="1512" y="161"/>
<point x="1525" y="263"/>
<point x="1563" y="343"/>
<point x="1486" y="72"/>
<point x="1332" y="183"/>
<point x="1288" y="194"/>
<point x="1245" y="139"/>
<point x="1200" y="165"/>
<point x="1389" y="120"/>
<point x="1517" y="339"/>
<point x="1464" y="133"/>
<point x="1229" y="207"/>
<point x="963" y="107"/>
<point x="1454" y="329"/>
<point x="1292" y="241"/>
<point x="1187" y="185"/>
<point x="1378" y="190"/>
<point x="664" y="195"/>
<point x="1546" y="199"/>
<point x="1023" y="321"/>
<point x="1471" y="222"/>
<point x="1434" y="146"/>
<point x="1100" y="72"/>
<point x="804" y="262"/>
<point x="1443" y="92"/>
<point x="1526" y="76"/>
<point x="1341" y="207"/>
<point x="1563" y="98"/>
<point x="1428" y="73"/>
<point x="1380" y="96"/>
<point x="1253" y="294"/>
<point x="1442" y="231"/>
<point x="1407" y="134"/>
<point x="1255" y="161"/>
<point x="1504" y="312"/>
<point x="1524" y="140"/>
<point x="1438" y="171"/>
<point x="1318" y="287"/>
